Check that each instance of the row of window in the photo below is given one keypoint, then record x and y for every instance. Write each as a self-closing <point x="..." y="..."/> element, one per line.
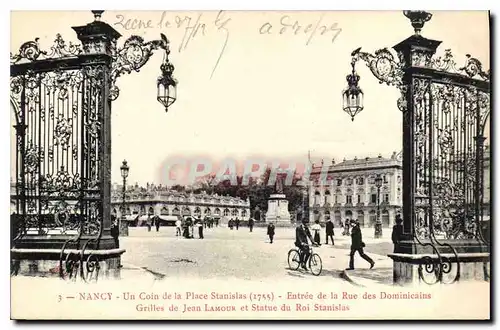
<point x="197" y="211"/>
<point x="373" y="199"/>
<point x="361" y="181"/>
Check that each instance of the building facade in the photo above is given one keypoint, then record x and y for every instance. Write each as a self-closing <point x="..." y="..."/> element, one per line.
<point x="143" y="203"/>
<point x="348" y="191"/>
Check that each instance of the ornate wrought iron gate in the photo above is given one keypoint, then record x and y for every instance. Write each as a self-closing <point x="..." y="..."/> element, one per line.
<point x="62" y="105"/>
<point x="445" y="112"/>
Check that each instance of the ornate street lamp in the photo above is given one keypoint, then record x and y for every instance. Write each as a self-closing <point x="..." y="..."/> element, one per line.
<point x="166" y="84"/>
<point x="378" y="223"/>
<point x="352" y="101"/>
<point x="123" y="226"/>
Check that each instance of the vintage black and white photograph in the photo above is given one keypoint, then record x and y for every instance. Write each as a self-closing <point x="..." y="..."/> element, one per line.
<point x="250" y="165"/>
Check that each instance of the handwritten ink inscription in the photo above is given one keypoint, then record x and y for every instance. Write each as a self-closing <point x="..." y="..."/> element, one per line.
<point x="309" y="30"/>
<point x="191" y="27"/>
<point x="199" y="25"/>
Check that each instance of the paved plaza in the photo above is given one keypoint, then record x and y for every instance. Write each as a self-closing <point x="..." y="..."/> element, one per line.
<point x="242" y="254"/>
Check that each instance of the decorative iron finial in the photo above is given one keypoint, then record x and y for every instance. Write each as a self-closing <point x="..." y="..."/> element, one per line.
<point x="418" y="19"/>
<point x="97" y="14"/>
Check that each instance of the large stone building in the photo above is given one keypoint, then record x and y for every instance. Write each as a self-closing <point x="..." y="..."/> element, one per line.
<point x="349" y="191"/>
<point x="143" y="203"/>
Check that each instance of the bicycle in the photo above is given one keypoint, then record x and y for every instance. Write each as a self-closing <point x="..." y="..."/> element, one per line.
<point x="315" y="264"/>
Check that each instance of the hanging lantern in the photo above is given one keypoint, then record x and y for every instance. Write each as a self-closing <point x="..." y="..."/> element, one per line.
<point x="352" y="95"/>
<point x="167" y="85"/>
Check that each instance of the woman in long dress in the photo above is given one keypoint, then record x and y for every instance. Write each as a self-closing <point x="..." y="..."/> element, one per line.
<point x="316" y="229"/>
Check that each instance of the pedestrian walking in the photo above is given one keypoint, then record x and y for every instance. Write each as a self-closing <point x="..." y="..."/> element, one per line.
<point x="316" y="228"/>
<point x="157" y="222"/>
<point x="200" y="229"/>
<point x="250" y="224"/>
<point x="397" y="233"/>
<point x="270" y="232"/>
<point x="178" y="225"/>
<point x="357" y="244"/>
<point x="329" y="233"/>
<point x="347" y="224"/>
<point x="237" y="223"/>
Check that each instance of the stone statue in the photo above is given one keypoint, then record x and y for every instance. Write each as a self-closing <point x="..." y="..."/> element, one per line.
<point x="279" y="185"/>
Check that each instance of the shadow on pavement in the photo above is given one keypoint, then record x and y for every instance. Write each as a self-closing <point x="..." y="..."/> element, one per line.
<point x="378" y="275"/>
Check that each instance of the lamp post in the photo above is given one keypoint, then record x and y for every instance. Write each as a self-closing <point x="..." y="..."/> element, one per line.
<point x="378" y="223"/>
<point x="123" y="226"/>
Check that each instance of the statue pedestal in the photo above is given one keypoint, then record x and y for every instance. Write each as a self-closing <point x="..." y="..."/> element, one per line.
<point x="277" y="210"/>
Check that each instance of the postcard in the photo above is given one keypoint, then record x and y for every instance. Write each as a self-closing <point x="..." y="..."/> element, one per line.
<point x="250" y="165"/>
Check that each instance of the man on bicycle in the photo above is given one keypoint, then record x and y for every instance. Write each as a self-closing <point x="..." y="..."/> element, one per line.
<point x="302" y="233"/>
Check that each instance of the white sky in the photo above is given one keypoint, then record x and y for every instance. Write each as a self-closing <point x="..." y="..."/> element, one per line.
<point x="271" y="95"/>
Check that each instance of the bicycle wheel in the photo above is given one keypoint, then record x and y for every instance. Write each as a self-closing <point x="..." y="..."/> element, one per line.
<point x="315" y="264"/>
<point x="293" y="259"/>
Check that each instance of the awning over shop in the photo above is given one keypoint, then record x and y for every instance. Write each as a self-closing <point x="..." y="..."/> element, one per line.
<point x="131" y="217"/>
<point x="168" y="217"/>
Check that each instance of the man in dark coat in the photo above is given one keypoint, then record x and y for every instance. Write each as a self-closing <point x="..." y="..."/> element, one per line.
<point x="157" y="223"/>
<point x="237" y="223"/>
<point x="115" y="230"/>
<point x="200" y="228"/>
<point x="397" y="233"/>
<point x="270" y="232"/>
<point x="329" y="231"/>
<point x="302" y="233"/>
<point x="357" y="245"/>
<point x="250" y="224"/>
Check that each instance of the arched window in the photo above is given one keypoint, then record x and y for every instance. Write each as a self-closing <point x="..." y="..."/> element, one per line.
<point x="197" y="211"/>
<point x="327" y="197"/>
<point x="372" y="217"/>
<point x="337" y="218"/>
<point x="226" y="212"/>
<point x="244" y="213"/>
<point x="151" y="211"/>
<point x="176" y="211"/>
<point x="234" y="212"/>
<point x="317" y="197"/>
<point x="217" y="211"/>
<point x="317" y="215"/>
<point x="207" y="211"/>
<point x="164" y="211"/>
<point x="385" y="218"/>
<point x="186" y="211"/>
<point x="348" y="214"/>
<point x="361" y="218"/>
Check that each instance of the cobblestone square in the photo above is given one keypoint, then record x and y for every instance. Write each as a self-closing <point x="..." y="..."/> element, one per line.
<point x="242" y="254"/>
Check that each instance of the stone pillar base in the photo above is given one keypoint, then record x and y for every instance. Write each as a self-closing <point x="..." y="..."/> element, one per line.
<point x="415" y="269"/>
<point x="48" y="263"/>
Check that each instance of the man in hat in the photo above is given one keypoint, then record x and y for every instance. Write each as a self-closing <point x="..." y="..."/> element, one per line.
<point x="397" y="232"/>
<point x="329" y="231"/>
<point x="302" y="233"/>
<point x="357" y="244"/>
<point x="270" y="232"/>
